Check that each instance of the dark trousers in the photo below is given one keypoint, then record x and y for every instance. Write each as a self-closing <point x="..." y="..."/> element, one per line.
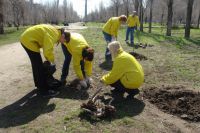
<point x="120" y="89"/>
<point x="38" y="70"/>
<point x="68" y="57"/>
<point x="108" y="39"/>
<point x="130" y="30"/>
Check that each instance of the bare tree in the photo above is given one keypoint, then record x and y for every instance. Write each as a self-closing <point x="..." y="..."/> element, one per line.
<point x="136" y="5"/>
<point x="169" y="16"/>
<point x="188" y="19"/>
<point x="150" y="18"/>
<point x="126" y="6"/>
<point x="116" y="4"/>
<point x="1" y="17"/>
<point x="65" y="9"/>
<point x="141" y="16"/>
<point x="17" y="11"/>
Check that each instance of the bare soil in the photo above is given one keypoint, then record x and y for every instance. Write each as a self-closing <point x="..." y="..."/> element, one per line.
<point x="176" y="100"/>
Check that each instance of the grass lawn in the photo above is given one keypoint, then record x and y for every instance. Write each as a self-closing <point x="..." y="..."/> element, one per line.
<point x="171" y="61"/>
<point x="11" y="35"/>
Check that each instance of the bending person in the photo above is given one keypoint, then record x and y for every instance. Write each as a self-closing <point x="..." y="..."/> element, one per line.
<point x="110" y="31"/>
<point x="76" y="47"/>
<point x="43" y="37"/>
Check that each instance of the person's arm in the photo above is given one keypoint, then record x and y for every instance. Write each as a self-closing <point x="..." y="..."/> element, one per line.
<point x="77" y="67"/>
<point x="114" y="75"/>
<point x="88" y="68"/>
<point x="48" y="46"/>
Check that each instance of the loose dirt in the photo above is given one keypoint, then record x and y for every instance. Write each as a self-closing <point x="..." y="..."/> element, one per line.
<point x="176" y="100"/>
<point x="138" y="56"/>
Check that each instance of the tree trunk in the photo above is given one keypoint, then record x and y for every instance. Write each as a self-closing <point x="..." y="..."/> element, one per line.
<point x="169" y="17"/>
<point x="136" y="5"/>
<point x="188" y="19"/>
<point x="198" y="21"/>
<point x="150" y="19"/>
<point x="141" y="16"/>
<point x="85" y="10"/>
<point x="1" y="17"/>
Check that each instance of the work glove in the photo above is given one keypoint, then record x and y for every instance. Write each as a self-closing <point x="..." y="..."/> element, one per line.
<point x="89" y="80"/>
<point x="83" y="84"/>
<point x="113" y="39"/>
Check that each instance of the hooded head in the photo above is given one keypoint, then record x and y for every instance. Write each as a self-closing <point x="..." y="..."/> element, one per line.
<point x="114" y="48"/>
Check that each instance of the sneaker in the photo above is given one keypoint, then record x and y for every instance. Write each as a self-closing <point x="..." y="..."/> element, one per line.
<point x="50" y="93"/>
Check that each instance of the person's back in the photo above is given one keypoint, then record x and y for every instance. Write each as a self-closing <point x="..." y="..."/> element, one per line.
<point x="132" y="72"/>
<point x="34" y="37"/>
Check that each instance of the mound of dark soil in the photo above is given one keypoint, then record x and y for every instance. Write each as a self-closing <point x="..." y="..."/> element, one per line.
<point x="138" y="56"/>
<point x="176" y="100"/>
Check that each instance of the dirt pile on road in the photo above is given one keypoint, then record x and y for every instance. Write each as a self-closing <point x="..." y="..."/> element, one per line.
<point x="176" y="100"/>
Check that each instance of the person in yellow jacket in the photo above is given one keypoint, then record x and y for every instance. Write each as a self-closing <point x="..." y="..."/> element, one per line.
<point x="126" y="75"/>
<point x="110" y="31"/>
<point x="77" y="48"/>
<point x="133" y="24"/>
<point x="43" y="37"/>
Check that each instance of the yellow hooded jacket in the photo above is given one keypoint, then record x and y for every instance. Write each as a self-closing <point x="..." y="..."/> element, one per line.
<point x="126" y="69"/>
<point x="41" y="36"/>
<point x="75" y="47"/>
<point x="112" y="25"/>
<point x="133" y="21"/>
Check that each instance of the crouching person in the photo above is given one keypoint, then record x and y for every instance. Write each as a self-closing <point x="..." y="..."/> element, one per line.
<point x="43" y="37"/>
<point x="126" y="74"/>
<point x="76" y="47"/>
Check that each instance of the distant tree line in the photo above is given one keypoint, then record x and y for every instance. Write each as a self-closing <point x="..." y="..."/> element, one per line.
<point x="23" y="12"/>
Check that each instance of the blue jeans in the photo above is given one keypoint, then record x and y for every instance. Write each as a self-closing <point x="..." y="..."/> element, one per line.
<point x="68" y="57"/>
<point x="128" y="31"/>
<point x="108" y="39"/>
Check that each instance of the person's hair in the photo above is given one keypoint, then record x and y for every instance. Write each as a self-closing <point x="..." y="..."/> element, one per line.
<point x="88" y="53"/>
<point x="123" y="18"/>
<point x="114" y="48"/>
<point x="66" y="34"/>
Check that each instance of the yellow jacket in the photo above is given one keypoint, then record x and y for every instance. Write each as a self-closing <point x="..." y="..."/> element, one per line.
<point x="41" y="36"/>
<point x="133" y="21"/>
<point x="126" y="69"/>
<point x="112" y="25"/>
<point x="75" y="47"/>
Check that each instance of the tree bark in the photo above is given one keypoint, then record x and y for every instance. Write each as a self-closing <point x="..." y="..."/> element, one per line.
<point x="141" y="15"/>
<point x="85" y="10"/>
<point x="1" y="17"/>
<point x="188" y="19"/>
<point x="169" y="17"/>
<point x="150" y="19"/>
<point x="136" y="5"/>
<point x="198" y="21"/>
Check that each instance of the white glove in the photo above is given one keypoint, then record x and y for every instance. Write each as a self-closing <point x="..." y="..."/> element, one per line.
<point x="89" y="80"/>
<point x="83" y="83"/>
<point x="113" y="39"/>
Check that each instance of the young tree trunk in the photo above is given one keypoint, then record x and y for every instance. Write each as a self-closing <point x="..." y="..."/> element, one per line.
<point x="136" y="5"/>
<point x="85" y="10"/>
<point x="188" y="19"/>
<point x="141" y="15"/>
<point x="1" y="17"/>
<point x="150" y="19"/>
<point x="169" y="17"/>
<point x="198" y="21"/>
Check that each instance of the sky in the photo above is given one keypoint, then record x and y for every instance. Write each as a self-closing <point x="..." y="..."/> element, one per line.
<point x="79" y="5"/>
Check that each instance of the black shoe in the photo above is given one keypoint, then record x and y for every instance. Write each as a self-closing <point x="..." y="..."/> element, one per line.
<point x="50" y="93"/>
